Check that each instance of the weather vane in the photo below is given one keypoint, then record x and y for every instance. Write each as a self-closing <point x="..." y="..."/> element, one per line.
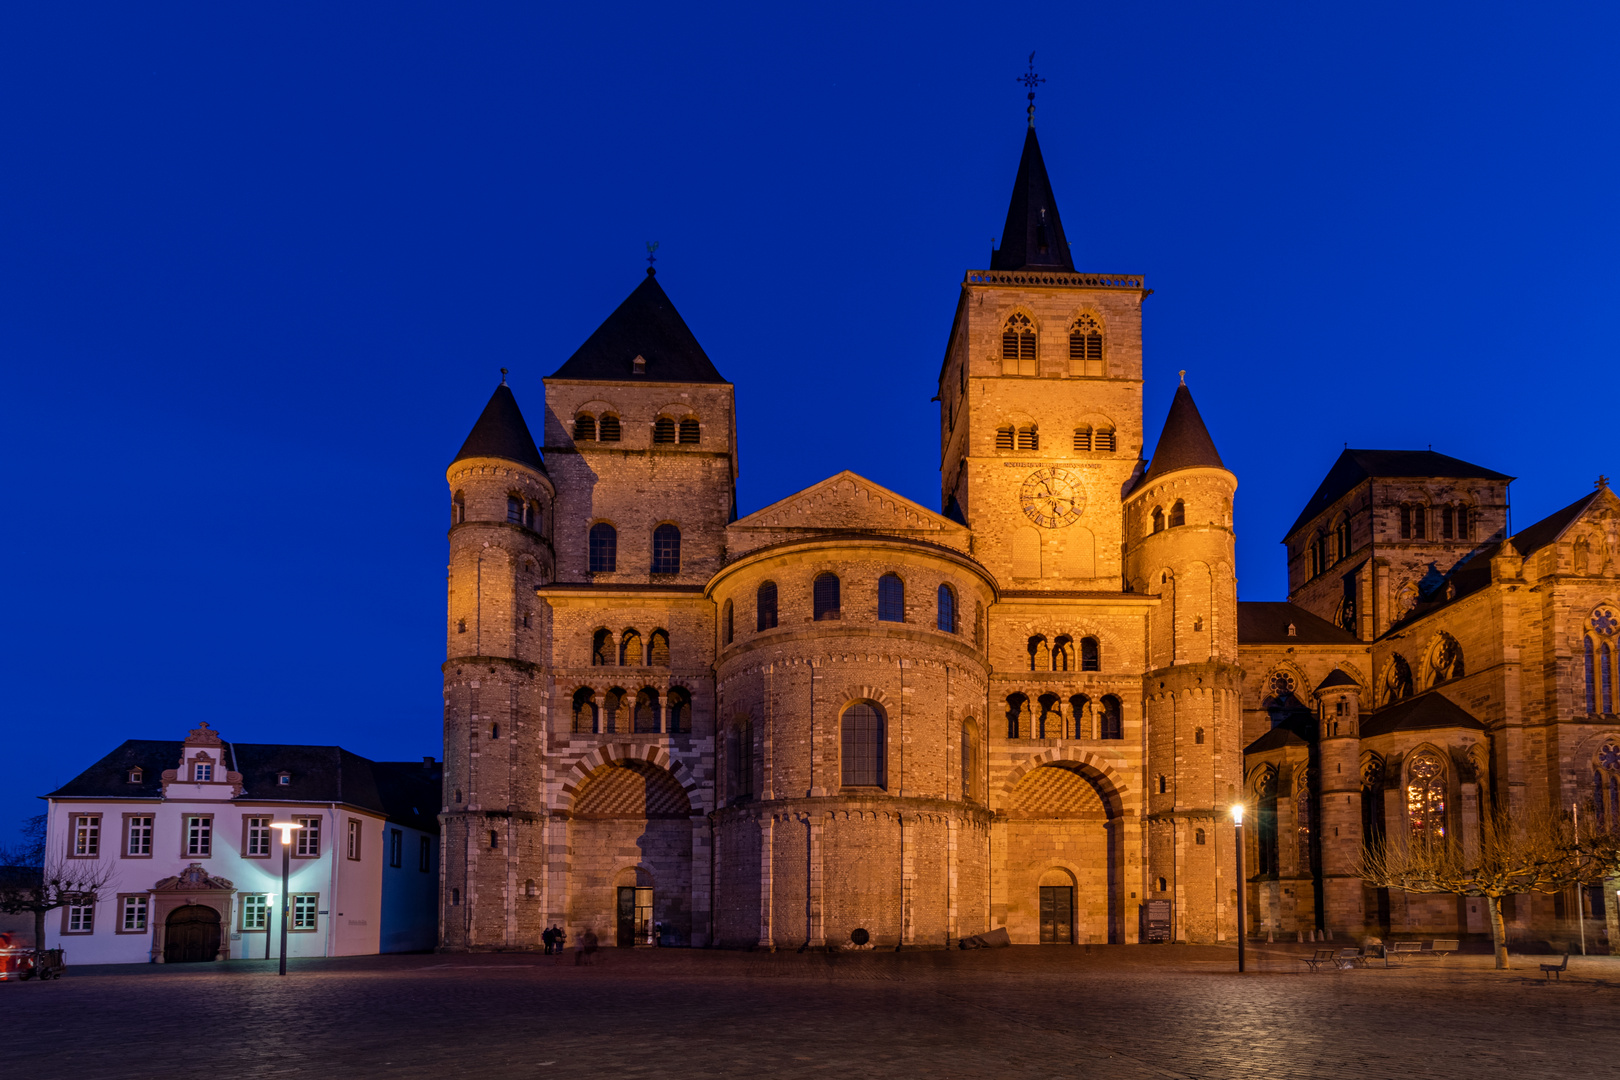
<point x="652" y="257"/>
<point x="1031" y="81"/>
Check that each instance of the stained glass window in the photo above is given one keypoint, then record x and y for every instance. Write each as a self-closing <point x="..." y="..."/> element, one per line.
<point x="1426" y="797"/>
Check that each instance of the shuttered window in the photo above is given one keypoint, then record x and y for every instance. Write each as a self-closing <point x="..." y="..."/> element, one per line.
<point x="1082" y="438"/>
<point x="1004" y="438"/>
<point x="689" y="430"/>
<point x="584" y="428"/>
<point x="663" y="430"/>
<point x="1104" y="439"/>
<point x="1086" y="347"/>
<point x="1029" y="438"/>
<point x="610" y="429"/>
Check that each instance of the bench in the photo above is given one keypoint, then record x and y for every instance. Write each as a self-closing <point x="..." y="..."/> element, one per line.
<point x="1556" y="970"/>
<point x="1399" y="951"/>
<point x="1349" y="958"/>
<point x="1443" y="946"/>
<point x="1321" y="956"/>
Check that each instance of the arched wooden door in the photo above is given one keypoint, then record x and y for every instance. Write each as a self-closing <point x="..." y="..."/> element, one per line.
<point x="191" y="933"/>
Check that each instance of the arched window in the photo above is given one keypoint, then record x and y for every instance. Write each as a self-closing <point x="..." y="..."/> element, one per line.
<point x="1178" y="514"/>
<point x="765" y="605"/>
<point x="1591" y="680"/>
<point x="1004" y="438"/>
<point x="863" y="746"/>
<point x="584" y="428"/>
<point x="1103" y="439"/>
<point x="604" y="548"/>
<point x="1426" y="797"/>
<point x="1266" y="823"/>
<point x="1605" y="665"/>
<point x="630" y="649"/>
<point x="1082" y="438"/>
<point x="727" y="625"/>
<point x="680" y="711"/>
<point x="891" y="599"/>
<point x="602" y="649"/>
<point x="1090" y="654"/>
<point x="1198" y="733"/>
<point x="666" y="550"/>
<point x="1465" y="523"/>
<point x="644" y="720"/>
<point x="1018" y="346"/>
<point x="458" y="508"/>
<point x="970" y="759"/>
<point x="610" y="430"/>
<point x="1029" y="437"/>
<point x="1086" y="347"/>
<point x="1080" y="714"/>
<point x="1341" y="540"/>
<point x="689" y="430"/>
<point x="1040" y="654"/>
<point x="947" y="609"/>
<point x="740" y="761"/>
<point x="1063" y="653"/>
<point x="824" y="597"/>
<point x="658" y="649"/>
<point x="664" y="430"/>
<point x="514" y="509"/>
<point x="1018" y="718"/>
<point x="1158" y="519"/>
<point x="1302" y="827"/>
<point x="1113" y="718"/>
<point x="1447" y="522"/>
<point x="586" y="719"/>
<point x="1198" y="836"/>
<point x="615" y="713"/>
<point x="1049" y="724"/>
<point x="1606" y="786"/>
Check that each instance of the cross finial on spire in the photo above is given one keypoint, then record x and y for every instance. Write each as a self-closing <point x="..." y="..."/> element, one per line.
<point x="1601" y="483"/>
<point x="1184" y="377"/>
<point x="652" y="248"/>
<point x="1031" y="81"/>
<point x="503" y="376"/>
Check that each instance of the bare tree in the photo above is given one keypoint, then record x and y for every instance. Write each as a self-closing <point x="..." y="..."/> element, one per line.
<point x="1523" y="852"/>
<point x="59" y="882"/>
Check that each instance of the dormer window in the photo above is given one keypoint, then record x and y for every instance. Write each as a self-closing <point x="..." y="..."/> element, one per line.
<point x="135" y="776"/>
<point x="284" y="779"/>
<point x="638" y="366"/>
<point x="1293" y="631"/>
<point x="202" y="772"/>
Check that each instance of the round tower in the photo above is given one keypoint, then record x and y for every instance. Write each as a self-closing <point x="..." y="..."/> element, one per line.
<point x="1338" y="831"/>
<point x="492" y="823"/>
<point x="1179" y="546"/>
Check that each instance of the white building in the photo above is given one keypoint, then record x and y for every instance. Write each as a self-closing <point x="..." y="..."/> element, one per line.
<point x="185" y="828"/>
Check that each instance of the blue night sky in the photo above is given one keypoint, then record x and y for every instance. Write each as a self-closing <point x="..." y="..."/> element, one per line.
<point x="261" y="267"/>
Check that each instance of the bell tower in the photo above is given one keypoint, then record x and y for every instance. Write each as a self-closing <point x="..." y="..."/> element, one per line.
<point x="1040" y="398"/>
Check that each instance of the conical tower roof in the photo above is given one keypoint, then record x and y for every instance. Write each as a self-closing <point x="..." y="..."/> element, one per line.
<point x="1184" y="443"/>
<point x="501" y="433"/>
<point x="645" y="325"/>
<point x="1033" y="236"/>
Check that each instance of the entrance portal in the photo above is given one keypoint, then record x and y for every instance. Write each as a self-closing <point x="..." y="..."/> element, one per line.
<point x="635" y="916"/>
<point x="1057" y="914"/>
<point x="191" y="934"/>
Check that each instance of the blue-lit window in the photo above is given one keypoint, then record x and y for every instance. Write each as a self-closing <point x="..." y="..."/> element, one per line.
<point x="891" y="599"/>
<point x="604" y="548"/>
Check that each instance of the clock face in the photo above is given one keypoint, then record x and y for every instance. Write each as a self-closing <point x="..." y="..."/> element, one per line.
<point x="1052" y="498"/>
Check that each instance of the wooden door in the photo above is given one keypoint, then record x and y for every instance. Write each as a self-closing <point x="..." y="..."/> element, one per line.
<point x="191" y="934"/>
<point x="1057" y="914"/>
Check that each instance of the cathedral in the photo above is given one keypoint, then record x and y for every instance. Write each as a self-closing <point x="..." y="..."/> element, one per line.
<point x="848" y="720"/>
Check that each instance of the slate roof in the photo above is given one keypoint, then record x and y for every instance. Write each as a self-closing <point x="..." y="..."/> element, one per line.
<point x="1337" y="677"/>
<point x="1354" y="466"/>
<point x="1184" y="443"/>
<point x="1032" y="215"/>
<point x="1275" y="739"/>
<point x="501" y="433"/>
<point x="1426" y="712"/>
<point x="1533" y="539"/>
<point x="1265" y="622"/>
<point x="316" y="774"/>
<point x="645" y="325"/>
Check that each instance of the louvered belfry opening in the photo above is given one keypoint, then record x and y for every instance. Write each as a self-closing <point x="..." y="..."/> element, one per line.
<point x="1004" y="438"/>
<point x="609" y="429"/>
<point x="1018" y="346"/>
<point x="1082" y="438"/>
<point x="664" y="431"/>
<point x="689" y="430"/>
<point x="584" y="428"/>
<point x="1029" y="438"/>
<point x="1103" y="440"/>
<point x="1086" y="347"/>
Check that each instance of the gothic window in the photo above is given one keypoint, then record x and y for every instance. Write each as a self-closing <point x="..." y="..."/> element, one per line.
<point x="1103" y="439"/>
<point x="1040" y="654"/>
<point x="862" y="746"/>
<point x="1018" y="346"/>
<point x="1113" y="718"/>
<point x="1029" y="438"/>
<point x="765" y="606"/>
<point x="689" y="430"/>
<point x="1605" y="656"/>
<point x="658" y="649"/>
<point x="680" y="711"/>
<point x="610" y="430"/>
<point x="584" y="428"/>
<point x="666" y="550"/>
<point x="1302" y="821"/>
<point x="1090" y="654"/>
<point x="1080" y="710"/>
<point x="1396" y="682"/>
<point x="630" y="649"/>
<point x="586" y="718"/>
<point x="1086" y="347"/>
<point x="458" y="508"/>
<point x="824" y="597"/>
<point x="1050" y="723"/>
<point x="514" y="509"/>
<point x="1606" y="787"/>
<point x="727" y="624"/>
<point x="947" y="609"/>
<point x="1018" y="718"/>
<point x="644" y="719"/>
<point x="1063" y="653"/>
<point x="1178" y="514"/>
<point x="1082" y="438"/>
<point x="891" y="599"/>
<point x="1464" y="523"/>
<point x="1004" y="438"/>
<point x="1444" y="660"/>
<point x="604" y="548"/>
<point x="1426" y="797"/>
<point x="1266" y="822"/>
<point x="1158" y="519"/>
<point x="1280" y="689"/>
<point x="602" y="649"/>
<point x="664" y="430"/>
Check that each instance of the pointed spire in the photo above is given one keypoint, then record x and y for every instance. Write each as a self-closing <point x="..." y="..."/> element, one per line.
<point x="1184" y="443"/>
<point x="501" y="433"/>
<point x="645" y="327"/>
<point x="1033" y="235"/>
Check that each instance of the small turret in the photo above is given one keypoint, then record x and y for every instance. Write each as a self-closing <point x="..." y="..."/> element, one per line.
<point x="1338" y="824"/>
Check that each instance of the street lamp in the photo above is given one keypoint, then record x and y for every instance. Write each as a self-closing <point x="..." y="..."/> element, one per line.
<point x="1242" y="885"/>
<point x="287" y="829"/>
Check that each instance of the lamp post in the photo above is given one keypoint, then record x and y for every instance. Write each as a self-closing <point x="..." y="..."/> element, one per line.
<point x="1242" y="885"/>
<point x="287" y="829"/>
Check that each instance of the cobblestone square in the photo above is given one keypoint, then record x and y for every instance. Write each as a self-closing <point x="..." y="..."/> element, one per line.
<point x="1119" y="1012"/>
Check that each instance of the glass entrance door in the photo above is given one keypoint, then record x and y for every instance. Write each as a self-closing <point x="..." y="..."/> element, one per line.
<point x="1057" y="914"/>
<point x="635" y="916"/>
